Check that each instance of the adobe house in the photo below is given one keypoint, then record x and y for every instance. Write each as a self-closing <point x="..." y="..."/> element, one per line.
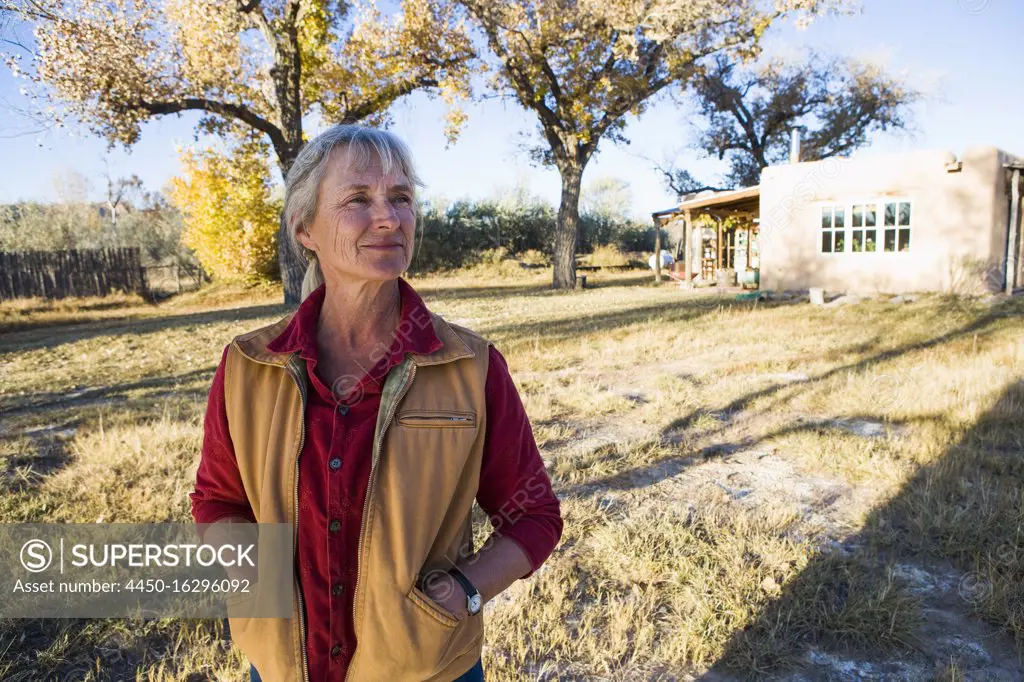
<point x="920" y="221"/>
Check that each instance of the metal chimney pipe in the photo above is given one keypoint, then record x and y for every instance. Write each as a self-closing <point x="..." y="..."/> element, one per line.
<point x="794" y="146"/>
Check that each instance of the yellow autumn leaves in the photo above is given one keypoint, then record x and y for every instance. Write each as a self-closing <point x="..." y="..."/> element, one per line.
<point x="231" y="214"/>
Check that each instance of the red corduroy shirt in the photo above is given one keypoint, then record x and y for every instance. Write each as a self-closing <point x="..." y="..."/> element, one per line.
<point x="334" y="472"/>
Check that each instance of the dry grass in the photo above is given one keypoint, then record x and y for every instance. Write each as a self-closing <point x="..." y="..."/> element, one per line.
<point x="742" y="483"/>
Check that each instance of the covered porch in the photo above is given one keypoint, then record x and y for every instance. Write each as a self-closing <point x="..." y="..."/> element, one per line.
<point x="719" y="238"/>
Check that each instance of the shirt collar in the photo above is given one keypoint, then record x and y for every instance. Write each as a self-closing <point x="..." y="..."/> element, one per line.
<point x="415" y="332"/>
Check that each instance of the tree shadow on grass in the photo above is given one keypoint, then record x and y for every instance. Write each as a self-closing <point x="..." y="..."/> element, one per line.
<point x="432" y="293"/>
<point x="106" y="650"/>
<point x="576" y="325"/>
<point x="55" y="335"/>
<point x="981" y="325"/>
<point x="930" y="568"/>
<point x="454" y="291"/>
<point x="780" y="395"/>
<point x="916" y="583"/>
<point x="36" y="432"/>
<point x="39" y="403"/>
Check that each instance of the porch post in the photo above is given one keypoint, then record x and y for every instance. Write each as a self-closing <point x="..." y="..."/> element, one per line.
<point x="687" y="247"/>
<point x="750" y="238"/>
<point x="718" y="241"/>
<point x="657" y="251"/>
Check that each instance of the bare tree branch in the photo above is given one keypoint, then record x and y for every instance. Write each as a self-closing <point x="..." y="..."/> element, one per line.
<point x="834" y="103"/>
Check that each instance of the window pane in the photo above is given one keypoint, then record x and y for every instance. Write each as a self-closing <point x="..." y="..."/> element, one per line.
<point x="890" y="214"/>
<point x="869" y="240"/>
<point x="869" y="216"/>
<point x="826" y="241"/>
<point x="826" y="217"/>
<point x="840" y="241"/>
<point x="890" y="240"/>
<point x="840" y="217"/>
<point x="858" y="216"/>
<point x="905" y="239"/>
<point x="904" y="214"/>
<point x="858" y="240"/>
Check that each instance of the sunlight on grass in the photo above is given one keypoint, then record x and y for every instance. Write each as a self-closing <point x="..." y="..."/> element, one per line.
<point x="740" y="480"/>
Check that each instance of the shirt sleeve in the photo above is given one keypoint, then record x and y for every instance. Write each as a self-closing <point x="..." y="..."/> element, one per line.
<point x="219" y="492"/>
<point x="515" y="490"/>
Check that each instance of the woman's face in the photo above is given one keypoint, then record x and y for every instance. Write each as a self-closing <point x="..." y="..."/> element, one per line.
<point x="364" y="223"/>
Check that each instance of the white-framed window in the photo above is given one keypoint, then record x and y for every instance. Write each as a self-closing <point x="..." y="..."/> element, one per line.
<point x="863" y="228"/>
<point x="877" y="226"/>
<point x="833" y="229"/>
<point x="897" y="226"/>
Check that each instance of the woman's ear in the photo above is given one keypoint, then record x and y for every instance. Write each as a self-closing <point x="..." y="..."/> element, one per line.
<point x="303" y="237"/>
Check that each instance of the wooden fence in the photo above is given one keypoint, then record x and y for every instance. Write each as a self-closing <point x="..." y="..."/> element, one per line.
<point x="173" y="278"/>
<point x="82" y="272"/>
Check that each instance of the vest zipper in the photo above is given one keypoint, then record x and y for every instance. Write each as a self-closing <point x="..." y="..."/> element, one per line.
<point x="369" y="493"/>
<point x="420" y="417"/>
<point x="295" y="515"/>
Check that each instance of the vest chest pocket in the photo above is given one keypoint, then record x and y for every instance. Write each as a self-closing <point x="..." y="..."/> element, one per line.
<point x="418" y="419"/>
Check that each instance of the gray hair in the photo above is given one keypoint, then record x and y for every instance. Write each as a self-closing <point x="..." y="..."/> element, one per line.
<point x="302" y="185"/>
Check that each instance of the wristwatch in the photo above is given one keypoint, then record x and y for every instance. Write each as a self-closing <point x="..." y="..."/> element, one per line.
<point x="474" y="602"/>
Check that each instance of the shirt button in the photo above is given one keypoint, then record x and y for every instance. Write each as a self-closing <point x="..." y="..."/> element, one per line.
<point x="337" y="589"/>
<point x="334" y="526"/>
<point x="335" y="463"/>
<point x="343" y="409"/>
<point x="336" y="650"/>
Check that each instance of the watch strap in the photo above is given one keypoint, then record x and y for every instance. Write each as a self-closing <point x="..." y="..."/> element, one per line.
<point x="466" y="583"/>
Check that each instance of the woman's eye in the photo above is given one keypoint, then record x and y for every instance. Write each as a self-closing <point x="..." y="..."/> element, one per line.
<point x="403" y="199"/>
<point x="357" y="200"/>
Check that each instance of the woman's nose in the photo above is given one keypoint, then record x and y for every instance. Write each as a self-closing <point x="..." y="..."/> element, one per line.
<point x="385" y="215"/>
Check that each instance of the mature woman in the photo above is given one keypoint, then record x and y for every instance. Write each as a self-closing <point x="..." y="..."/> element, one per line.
<point x="371" y="423"/>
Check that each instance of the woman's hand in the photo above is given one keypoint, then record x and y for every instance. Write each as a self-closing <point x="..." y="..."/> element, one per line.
<point x="446" y="592"/>
<point x="236" y="531"/>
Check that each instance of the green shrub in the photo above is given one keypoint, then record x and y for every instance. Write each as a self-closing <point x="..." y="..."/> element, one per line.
<point x="456" y="235"/>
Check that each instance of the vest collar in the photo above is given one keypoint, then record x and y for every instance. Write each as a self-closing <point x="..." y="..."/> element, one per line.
<point x="253" y="345"/>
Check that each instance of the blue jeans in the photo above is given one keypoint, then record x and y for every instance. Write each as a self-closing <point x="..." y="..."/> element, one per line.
<point x="475" y="674"/>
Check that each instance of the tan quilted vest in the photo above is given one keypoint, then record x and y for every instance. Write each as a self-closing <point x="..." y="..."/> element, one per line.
<point x="425" y="472"/>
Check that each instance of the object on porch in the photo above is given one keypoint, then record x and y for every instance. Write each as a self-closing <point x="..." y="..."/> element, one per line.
<point x="677" y="272"/>
<point x="750" y="278"/>
<point x="666" y="259"/>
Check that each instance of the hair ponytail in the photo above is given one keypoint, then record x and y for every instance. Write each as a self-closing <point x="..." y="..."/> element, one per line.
<point x="314" y="277"/>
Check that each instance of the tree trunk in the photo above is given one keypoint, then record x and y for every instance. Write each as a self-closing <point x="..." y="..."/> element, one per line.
<point x="286" y="74"/>
<point x="293" y="270"/>
<point x="567" y="230"/>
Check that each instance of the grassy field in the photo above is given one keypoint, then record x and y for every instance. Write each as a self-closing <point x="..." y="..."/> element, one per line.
<point x="750" y="489"/>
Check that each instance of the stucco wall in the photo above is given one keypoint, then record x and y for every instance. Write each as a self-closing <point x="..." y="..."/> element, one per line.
<point x="958" y="222"/>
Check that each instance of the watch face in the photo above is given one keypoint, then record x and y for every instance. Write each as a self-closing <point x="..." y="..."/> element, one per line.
<point x="474" y="603"/>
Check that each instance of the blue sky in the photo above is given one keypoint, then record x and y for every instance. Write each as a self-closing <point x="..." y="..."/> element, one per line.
<point x="965" y="55"/>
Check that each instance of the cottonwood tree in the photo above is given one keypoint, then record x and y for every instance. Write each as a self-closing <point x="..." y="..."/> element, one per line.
<point x="582" y="66"/>
<point x="748" y="113"/>
<point x="247" y="65"/>
<point x="229" y="209"/>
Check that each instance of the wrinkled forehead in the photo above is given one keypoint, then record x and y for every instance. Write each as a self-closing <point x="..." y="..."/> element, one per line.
<point x="364" y="164"/>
